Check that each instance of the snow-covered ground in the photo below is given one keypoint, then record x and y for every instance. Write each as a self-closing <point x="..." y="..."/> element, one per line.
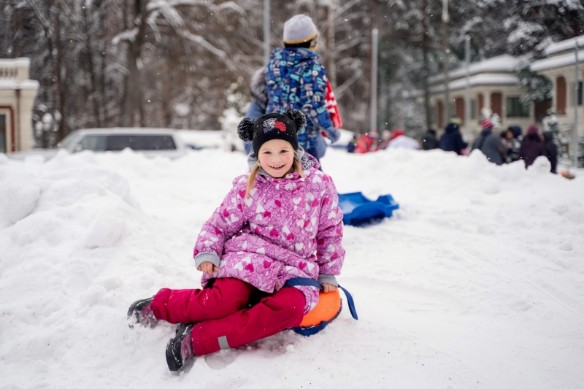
<point x="476" y="282"/>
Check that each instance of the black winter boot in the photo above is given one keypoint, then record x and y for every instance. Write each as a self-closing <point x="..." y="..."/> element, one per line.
<point x="179" y="349"/>
<point x="141" y="311"/>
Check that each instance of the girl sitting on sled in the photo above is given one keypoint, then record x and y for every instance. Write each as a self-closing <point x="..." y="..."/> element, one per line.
<point x="281" y="221"/>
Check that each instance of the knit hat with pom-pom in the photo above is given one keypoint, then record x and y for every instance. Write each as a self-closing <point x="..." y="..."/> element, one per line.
<point x="486" y="124"/>
<point x="272" y="126"/>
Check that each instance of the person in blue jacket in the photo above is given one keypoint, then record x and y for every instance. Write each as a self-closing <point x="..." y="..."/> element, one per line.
<point x="296" y="79"/>
<point x="452" y="140"/>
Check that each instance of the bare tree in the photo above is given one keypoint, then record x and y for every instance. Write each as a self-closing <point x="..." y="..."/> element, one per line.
<point x="172" y="63"/>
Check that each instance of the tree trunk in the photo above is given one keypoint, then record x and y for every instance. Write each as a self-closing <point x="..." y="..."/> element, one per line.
<point x="133" y="113"/>
<point x="426" y="58"/>
<point x="92" y="92"/>
<point x="330" y="44"/>
<point x="60" y="76"/>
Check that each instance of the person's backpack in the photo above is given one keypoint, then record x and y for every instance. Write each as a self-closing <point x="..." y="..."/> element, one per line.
<point x="327" y="309"/>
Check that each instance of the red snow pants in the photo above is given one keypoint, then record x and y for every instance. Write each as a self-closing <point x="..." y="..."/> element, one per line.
<point x="222" y="314"/>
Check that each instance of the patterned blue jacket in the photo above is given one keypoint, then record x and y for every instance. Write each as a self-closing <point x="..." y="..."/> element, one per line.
<point x="296" y="79"/>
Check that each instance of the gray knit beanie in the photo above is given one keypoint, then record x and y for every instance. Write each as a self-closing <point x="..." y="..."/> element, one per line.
<point x="299" y="29"/>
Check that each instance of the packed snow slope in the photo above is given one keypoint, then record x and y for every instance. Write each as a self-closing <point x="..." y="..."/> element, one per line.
<point x="477" y="281"/>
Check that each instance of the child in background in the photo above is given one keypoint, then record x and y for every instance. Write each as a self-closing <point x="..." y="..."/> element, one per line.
<point x="296" y="78"/>
<point x="280" y="221"/>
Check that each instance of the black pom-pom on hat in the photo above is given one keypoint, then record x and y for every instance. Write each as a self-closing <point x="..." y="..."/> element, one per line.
<point x="297" y="117"/>
<point x="245" y="129"/>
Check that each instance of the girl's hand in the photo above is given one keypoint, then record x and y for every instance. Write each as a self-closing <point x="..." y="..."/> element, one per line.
<point x="328" y="287"/>
<point x="208" y="267"/>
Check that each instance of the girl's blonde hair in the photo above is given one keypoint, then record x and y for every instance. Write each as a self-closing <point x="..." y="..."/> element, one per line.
<point x="296" y="166"/>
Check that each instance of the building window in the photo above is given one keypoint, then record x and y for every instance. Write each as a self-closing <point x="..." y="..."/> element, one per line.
<point x="440" y="111"/>
<point x="451" y="109"/>
<point x="459" y="108"/>
<point x="516" y="109"/>
<point x="473" y="109"/>
<point x="497" y="103"/>
<point x="433" y="114"/>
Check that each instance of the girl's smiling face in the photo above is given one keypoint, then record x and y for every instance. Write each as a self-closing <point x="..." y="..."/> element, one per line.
<point x="276" y="157"/>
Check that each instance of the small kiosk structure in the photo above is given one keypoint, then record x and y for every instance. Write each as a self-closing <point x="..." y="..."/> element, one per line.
<point x="17" y="95"/>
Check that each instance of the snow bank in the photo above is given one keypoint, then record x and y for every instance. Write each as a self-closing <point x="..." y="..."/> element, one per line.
<point x="477" y="281"/>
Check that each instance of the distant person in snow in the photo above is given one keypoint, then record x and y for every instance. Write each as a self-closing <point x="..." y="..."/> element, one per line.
<point x="279" y="222"/>
<point x="531" y="146"/>
<point x="512" y="138"/>
<point x="452" y="140"/>
<point x="430" y="140"/>
<point x="296" y="79"/>
<point x="399" y="140"/>
<point x="491" y="145"/>
<point x="367" y="142"/>
<point x="550" y="149"/>
<point x="352" y="145"/>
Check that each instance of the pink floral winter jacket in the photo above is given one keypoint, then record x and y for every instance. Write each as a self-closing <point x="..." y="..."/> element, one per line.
<point x="285" y="228"/>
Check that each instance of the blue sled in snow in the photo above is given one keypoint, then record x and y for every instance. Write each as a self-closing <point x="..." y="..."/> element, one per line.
<point x="358" y="209"/>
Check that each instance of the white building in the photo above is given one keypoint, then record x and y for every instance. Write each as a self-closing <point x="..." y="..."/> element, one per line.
<point x="492" y="83"/>
<point x="567" y="74"/>
<point x="17" y="95"/>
